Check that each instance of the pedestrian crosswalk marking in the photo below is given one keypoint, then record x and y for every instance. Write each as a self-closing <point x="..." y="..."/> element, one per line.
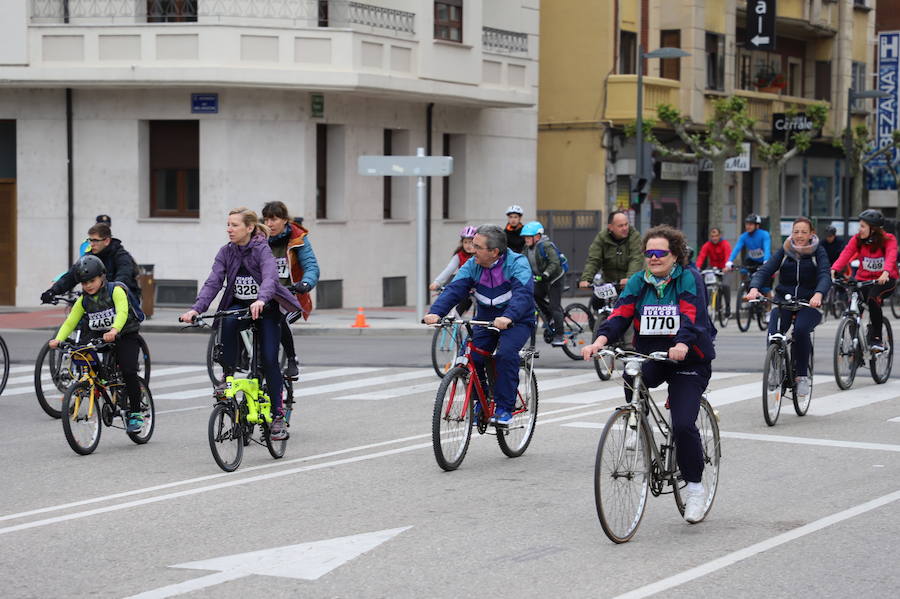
<point x="853" y="398"/>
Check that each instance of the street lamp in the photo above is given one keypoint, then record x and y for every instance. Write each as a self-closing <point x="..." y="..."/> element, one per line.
<point x="641" y="179"/>
<point x="852" y="96"/>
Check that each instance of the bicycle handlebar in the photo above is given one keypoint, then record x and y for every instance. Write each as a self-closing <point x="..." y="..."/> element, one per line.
<point x="240" y="313"/>
<point x="93" y="344"/>
<point x="62" y="298"/>
<point x="621" y="354"/>
<point x="446" y="321"/>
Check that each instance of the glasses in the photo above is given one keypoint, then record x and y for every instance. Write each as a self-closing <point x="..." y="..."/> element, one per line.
<point x="656" y="253"/>
<point x="92" y="240"/>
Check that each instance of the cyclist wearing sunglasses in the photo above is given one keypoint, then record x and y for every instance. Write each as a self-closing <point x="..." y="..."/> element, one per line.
<point x="666" y="305"/>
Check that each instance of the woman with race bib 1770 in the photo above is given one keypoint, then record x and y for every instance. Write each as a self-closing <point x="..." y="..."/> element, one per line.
<point x="877" y="253"/>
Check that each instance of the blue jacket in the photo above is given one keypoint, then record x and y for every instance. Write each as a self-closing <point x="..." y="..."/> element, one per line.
<point x="798" y="274"/>
<point x="758" y="245"/>
<point x="505" y="289"/>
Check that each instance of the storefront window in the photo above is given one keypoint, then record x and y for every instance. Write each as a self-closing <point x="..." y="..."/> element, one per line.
<point x="820" y="195"/>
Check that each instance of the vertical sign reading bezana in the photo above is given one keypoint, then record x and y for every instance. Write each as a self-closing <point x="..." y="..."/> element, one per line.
<point x="887" y="114"/>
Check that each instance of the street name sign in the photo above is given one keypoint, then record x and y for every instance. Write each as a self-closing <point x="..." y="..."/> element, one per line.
<point x="760" y="25"/>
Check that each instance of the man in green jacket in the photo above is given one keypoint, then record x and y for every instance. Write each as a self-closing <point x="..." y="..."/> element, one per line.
<point x="616" y="252"/>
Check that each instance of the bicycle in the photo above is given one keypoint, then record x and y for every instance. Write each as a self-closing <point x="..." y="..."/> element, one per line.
<point x="98" y="395"/>
<point x="851" y="347"/>
<point x="717" y="292"/>
<point x="245" y="345"/>
<point x="779" y="369"/>
<point x="605" y="295"/>
<point x="53" y="371"/>
<point x="745" y="311"/>
<point x="244" y="404"/>
<point x="835" y="302"/>
<point x="454" y="414"/>
<point x="636" y="454"/>
<point x="446" y="343"/>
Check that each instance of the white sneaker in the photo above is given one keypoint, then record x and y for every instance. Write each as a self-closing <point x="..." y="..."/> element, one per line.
<point x="802" y="388"/>
<point x="694" y="505"/>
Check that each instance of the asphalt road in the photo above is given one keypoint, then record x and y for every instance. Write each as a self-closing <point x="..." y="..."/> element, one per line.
<point x="358" y="507"/>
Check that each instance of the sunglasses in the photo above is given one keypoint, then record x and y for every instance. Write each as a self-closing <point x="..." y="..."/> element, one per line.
<point x="92" y="240"/>
<point x="656" y="253"/>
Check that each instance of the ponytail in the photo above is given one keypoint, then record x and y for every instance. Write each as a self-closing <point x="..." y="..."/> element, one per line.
<point x="250" y="219"/>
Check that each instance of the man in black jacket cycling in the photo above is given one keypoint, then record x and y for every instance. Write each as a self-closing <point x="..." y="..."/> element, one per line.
<point x="120" y="266"/>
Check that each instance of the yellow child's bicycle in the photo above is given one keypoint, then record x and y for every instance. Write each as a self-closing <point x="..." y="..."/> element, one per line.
<point x="97" y="394"/>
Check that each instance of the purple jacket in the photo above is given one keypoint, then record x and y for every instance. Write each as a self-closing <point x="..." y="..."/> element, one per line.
<point x="260" y="263"/>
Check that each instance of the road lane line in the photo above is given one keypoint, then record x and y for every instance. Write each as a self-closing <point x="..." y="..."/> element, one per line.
<point x="757" y="548"/>
<point x="811" y="441"/>
<point x="853" y="398"/>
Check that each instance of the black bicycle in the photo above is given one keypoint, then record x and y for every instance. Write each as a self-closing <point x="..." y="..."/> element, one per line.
<point x="718" y="294"/>
<point x="746" y="311"/>
<point x="851" y="346"/>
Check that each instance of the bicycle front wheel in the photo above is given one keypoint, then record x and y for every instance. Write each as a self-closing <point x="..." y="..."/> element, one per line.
<point x="148" y="411"/>
<point x="720" y="303"/>
<point x="225" y="436"/>
<point x="773" y="383"/>
<point x="845" y="359"/>
<point x="880" y="364"/>
<point x="451" y="423"/>
<point x="801" y="407"/>
<point x="622" y="475"/>
<point x="144" y="360"/>
<point x="603" y="365"/>
<point x="895" y="306"/>
<point x="761" y="320"/>
<point x="708" y="427"/>
<point x="742" y="310"/>
<point x="4" y="364"/>
<point x="514" y="440"/>
<point x="446" y="344"/>
<point x="81" y="418"/>
<point x="51" y="379"/>
<point x="277" y="448"/>
<point x="577" y="325"/>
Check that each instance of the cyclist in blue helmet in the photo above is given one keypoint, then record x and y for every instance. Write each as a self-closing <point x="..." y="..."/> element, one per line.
<point x="546" y="266"/>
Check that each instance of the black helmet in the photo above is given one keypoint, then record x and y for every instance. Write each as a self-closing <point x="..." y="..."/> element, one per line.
<point x="753" y="218"/>
<point x="105" y="219"/>
<point x="830" y="230"/>
<point x="88" y="267"/>
<point x="873" y="217"/>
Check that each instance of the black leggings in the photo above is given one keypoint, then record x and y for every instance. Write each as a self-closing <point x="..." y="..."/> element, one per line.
<point x="287" y="339"/>
<point x="875" y="295"/>
<point x="128" y="350"/>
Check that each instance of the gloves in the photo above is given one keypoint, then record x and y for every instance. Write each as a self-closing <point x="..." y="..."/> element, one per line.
<point x="47" y="297"/>
<point x="537" y="278"/>
<point x="303" y="287"/>
<point x="729" y="264"/>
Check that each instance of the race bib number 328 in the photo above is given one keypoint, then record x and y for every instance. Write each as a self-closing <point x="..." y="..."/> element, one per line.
<point x="660" y="320"/>
<point x="246" y="288"/>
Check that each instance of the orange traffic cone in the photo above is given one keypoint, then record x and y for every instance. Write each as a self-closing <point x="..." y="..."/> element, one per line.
<point x="360" y="320"/>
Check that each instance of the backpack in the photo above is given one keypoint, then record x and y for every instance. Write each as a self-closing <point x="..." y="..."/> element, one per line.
<point x="564" y="262"/>
<point x="133" y="304"/>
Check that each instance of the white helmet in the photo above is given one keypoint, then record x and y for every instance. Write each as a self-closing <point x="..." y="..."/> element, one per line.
<point x="515" y="209"/>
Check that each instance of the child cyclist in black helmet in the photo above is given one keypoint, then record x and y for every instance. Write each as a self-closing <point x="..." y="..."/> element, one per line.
<point x="109" y="310"/>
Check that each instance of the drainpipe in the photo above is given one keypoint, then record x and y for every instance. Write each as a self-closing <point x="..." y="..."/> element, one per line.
<point x="429" y="123"/>
<point x="69" y="175"/>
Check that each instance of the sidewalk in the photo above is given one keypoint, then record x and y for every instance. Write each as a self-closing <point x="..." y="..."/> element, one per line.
<point x="381" y="321"/>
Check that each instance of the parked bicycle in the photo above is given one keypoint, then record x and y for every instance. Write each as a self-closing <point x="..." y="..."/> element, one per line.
<point x="718" y="293"/>
<point x="53" y="369"/>
<point x="245" y="404"/>
<point x="851" y="347"/>
<point x="636" y="455"/>
<point x="98" y="396"/>
<point x="745" y="311"/>
<point x="779" y="368"/>
<point x="462" y="389"/>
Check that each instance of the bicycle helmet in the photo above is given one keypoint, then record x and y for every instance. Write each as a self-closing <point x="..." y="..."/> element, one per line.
<point x="532" y="228"/>
<point x="753" y="218"/>
<point x="830" y="231"/>
<point x="872" y="217"/>
<point x="515" y="209"/>
<point x="88" y="267"/>
<point x="468" y="232"/>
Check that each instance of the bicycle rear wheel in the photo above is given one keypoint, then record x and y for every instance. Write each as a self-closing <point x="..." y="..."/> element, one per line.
<point x="761" y="320"/>
<point x="144" y="360"/>
<point x="801" y="407"/>
<point x="845" y="358"/>
<point x="578" y="326"/>
<point x="81" y="421"/>
<point x="514" y="440"/>
<point x="880" y="364"/>
<point x="720" y="303"/>
<point x="451" y="423"/>
<point x="742" y="311"/>
<point x="708" y="427"/>
<point x="622" y="475"/>
<point x="4" y="364"/>
<point x="148" y="411"/>
<point x="277" y="448"/>
<point x="226" y="436"/>
<point x="603" y="365"/>
<point x="895" y="306"/>
<point x="446" y="344"/>
<point x="772" y="384"/>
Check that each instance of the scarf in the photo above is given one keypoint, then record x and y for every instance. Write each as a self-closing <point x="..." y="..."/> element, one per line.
<point x="660" y="283"/>
<point x="799" y="251"/>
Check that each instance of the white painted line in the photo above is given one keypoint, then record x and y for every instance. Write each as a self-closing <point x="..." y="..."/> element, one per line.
<point x="170" y="370"/>
<point x="589" y="425"/>
<point x="742" y="554"/>
<point x="332" y="373"/>
<point x="897" y="419"/>
<point x="392" y="393"/>
<point x="367" y="382"/>
<point x="810" y="441"/>
<point x="729" y="395"/>
<point x="853" y="398"/>
<point x="158" y="412"/>
<point x="186" y="394"/>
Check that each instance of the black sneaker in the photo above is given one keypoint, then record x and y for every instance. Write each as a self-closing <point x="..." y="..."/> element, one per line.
<point x="292" y="370"/>
<point x="877" y="346"/>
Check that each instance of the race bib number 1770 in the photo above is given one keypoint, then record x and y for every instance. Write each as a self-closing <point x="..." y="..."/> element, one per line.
<point x="660" y="320"/>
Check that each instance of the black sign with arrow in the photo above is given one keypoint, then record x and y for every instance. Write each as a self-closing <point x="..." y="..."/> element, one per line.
<point x="760" y="24"/>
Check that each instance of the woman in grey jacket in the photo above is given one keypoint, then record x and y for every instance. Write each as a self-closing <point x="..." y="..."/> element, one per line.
<point x="247" y="267"/>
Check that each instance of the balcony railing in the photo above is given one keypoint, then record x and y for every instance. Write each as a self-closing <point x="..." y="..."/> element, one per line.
<point x="621" y="94"/>
<point x="500" y="40"/>
<point x="298" y="13"/>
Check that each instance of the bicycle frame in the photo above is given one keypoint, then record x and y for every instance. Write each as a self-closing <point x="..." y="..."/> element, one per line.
<point x="87" y="366"/>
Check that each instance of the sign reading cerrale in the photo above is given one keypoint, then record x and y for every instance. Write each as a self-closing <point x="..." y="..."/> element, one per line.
<point x="798" y="123"/>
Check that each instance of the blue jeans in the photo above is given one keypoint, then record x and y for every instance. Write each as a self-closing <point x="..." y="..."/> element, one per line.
<point x="807" y="319"/>
<point x="506" y="360"/>
<point x="269" y="341"/>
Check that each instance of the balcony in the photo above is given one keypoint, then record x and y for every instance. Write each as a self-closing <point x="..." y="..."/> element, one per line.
<point x="761" y="106"/>
<point x="621" y="92"/>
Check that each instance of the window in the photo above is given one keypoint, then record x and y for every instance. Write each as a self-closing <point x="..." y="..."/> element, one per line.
<point x="823" y="80"/>
<point x="323" y="13"/>
<point x="448" y="16"/>
<point x="820" y="196"/>
<point x="175" y="169"/>
<point x="321" y="170"/>
<point x="795" y="77"/>
<point x="715" y="61"/>
<point x="627" y="53"/>
<point x="670" y="68"/>
<point x="858" y="83"/>
<point x="172" y="11"/>
<point x="745" y="71"/>
<point x="453" y="199"/>
<point x="387" y="197"/>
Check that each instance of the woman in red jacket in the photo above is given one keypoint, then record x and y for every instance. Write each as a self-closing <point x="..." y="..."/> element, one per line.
<point x="877" y="253"/>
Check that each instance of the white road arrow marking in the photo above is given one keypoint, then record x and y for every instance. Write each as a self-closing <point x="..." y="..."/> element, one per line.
<point x="305" y="561"/>
<point x="759" y="40"/>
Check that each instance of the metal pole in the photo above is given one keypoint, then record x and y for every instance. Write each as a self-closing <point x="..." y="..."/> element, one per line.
<point x="848" y="144"/>
<point x="422" y="206"/>
<point x="639" y="162"/>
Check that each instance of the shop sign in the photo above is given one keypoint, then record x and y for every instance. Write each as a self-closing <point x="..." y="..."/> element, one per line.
<point x="887" y="115"/>
<point x="782" y="124"/>
<point x="678" y="171"/>
<point x="739" y="163"/>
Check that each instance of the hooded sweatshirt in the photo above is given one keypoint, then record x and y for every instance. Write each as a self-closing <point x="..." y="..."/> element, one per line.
<point x="872" y="261"/>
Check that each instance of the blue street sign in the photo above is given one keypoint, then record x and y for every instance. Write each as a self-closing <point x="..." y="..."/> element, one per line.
<point x="887" y="117"/>
<point x="205" y="103"/>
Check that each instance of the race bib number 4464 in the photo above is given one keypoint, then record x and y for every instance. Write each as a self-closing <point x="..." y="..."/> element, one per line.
<point x="101" y="321"/>
<point x="246" y="288"/>
<point x="660" y="320"/>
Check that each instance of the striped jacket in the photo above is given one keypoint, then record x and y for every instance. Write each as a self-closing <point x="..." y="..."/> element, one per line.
<point x="687" y="291"/>
<point x="504" y="289"/>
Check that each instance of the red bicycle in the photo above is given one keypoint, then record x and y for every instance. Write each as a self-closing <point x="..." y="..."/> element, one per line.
<point x="461" y="390"/>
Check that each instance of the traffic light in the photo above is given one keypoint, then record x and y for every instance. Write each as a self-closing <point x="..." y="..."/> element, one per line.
<point x="640" y="182"/>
